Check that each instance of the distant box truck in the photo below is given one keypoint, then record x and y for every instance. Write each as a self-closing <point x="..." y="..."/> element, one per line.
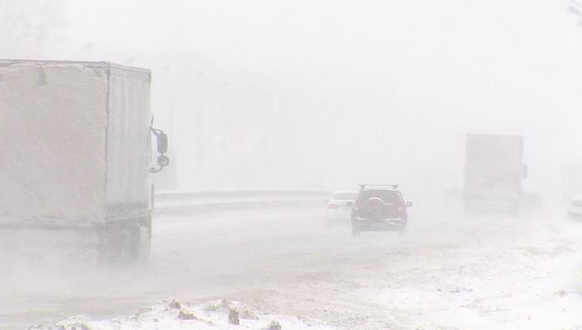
<point x="75" y="145"/>
<point x="494" y="172"/>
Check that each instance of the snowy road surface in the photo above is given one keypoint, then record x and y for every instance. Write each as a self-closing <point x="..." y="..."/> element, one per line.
<point x="448" y="272"/>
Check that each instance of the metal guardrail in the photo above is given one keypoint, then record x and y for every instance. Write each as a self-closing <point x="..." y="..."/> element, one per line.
<point x="192" y="201"/>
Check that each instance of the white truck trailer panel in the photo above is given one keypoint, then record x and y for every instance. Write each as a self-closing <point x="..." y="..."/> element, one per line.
<point x="493" y="167"/>
<point x="128" y="144"/>
<point x="74" y="142"/>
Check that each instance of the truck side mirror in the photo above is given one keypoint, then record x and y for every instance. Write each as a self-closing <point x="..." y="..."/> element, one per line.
<point x="408" y="204"/>
<point x="163" y="161"/>
<point x="162" y="143"/>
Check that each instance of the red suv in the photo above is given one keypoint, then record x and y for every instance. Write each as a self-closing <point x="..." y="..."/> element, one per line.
<point x="379" y="208"/>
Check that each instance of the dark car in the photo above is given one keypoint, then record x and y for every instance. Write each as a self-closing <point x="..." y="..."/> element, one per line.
<point x="379" y="208"/>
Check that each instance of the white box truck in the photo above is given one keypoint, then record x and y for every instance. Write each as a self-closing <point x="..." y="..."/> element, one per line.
<point x="494" y="172"/>
<point x="75" y="154"/>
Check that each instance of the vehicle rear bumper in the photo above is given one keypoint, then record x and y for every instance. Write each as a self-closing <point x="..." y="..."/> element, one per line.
<point x="379" y="225"/>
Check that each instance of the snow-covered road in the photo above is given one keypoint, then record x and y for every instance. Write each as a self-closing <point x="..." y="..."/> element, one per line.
<point x="448" y="272"/>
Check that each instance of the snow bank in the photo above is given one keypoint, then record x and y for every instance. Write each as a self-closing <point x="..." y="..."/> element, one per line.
<point x="173" y="315"/>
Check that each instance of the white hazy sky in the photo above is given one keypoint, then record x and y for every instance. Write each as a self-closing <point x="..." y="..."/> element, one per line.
<point x="328" y="93"/>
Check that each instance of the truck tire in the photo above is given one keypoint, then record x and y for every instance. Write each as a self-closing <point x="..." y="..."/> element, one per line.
<point x="137" y="247"/>
<point x="139" y="244"/>
<point x="124" y="244"/>
<point x="133" y="244"/>
<point x="111" y="249"/>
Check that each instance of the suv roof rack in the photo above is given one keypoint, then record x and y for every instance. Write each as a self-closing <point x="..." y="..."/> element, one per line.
<point x="364" y="185"/>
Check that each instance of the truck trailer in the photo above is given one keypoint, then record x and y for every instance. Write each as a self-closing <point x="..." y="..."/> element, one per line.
<point x="76" y="155"/>
<point x="494" y="172"/>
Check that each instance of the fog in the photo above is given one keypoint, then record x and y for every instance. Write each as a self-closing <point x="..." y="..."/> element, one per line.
<point x="319" y="94"/>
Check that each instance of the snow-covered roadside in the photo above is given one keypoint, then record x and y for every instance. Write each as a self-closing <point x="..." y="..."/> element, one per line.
<point x="531" y="296"/>
<point x="173" y="315"/>
<point x="478" y="274"/>
<point x="525" y="278"/>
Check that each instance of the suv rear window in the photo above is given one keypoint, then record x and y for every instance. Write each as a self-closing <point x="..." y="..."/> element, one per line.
<point x="387" y="196"/>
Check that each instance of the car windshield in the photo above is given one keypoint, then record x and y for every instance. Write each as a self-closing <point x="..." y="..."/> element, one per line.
<point x="347" y="196"/>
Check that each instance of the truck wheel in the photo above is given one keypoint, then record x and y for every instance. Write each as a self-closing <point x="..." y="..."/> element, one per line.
<point x="111" y="248"/>
<point x="133" y="244"/>
<point x="139" y="249"/>
<point x="124" y="244"/>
